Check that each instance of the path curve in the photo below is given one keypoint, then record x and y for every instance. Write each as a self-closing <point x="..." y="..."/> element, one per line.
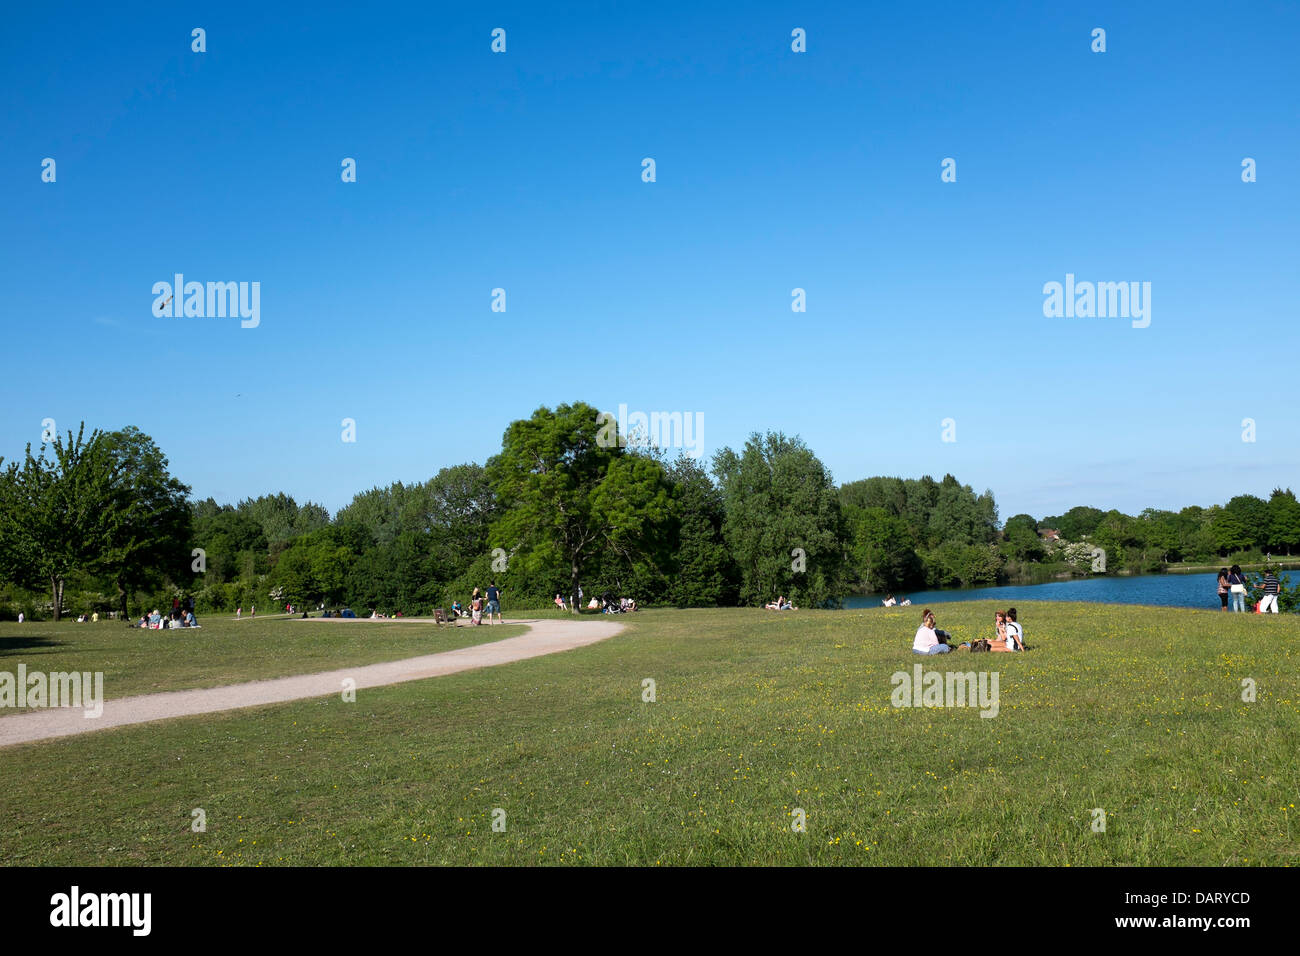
<point x="543" y="637"/>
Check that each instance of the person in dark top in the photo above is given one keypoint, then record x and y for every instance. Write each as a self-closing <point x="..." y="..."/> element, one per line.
<point x="1237" y="587"/>
<point x="1272" y="588"/>
<point x="494" y="603"/>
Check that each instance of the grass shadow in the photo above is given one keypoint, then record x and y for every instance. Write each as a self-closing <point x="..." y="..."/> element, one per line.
<point x="14" y="645"/>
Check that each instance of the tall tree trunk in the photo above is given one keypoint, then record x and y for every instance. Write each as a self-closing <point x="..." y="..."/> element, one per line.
<point x="56" y="592"/>
<point x="121" y="598"/>
<point x="573" y="589"/>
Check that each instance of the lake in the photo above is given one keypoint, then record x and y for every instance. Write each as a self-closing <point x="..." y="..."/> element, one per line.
<point x="1162" y="590"/>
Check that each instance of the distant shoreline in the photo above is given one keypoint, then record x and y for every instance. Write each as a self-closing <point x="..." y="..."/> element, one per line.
<point x="1286" y="564"/>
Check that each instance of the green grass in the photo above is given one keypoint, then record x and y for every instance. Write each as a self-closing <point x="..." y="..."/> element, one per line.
<point x="223" y="651"/>
<point x="1137" y="711"/>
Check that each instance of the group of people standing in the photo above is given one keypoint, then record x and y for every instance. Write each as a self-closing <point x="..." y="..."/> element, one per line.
<point x="1008" y="636"/>
<point x="1232" y="583"/>
<point x="479" y="601"/>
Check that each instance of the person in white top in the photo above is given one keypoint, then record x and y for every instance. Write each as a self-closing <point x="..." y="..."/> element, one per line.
<point x="1015" y="633"/>
<point x="928" y="640"/>
<point x="889" y="601"/>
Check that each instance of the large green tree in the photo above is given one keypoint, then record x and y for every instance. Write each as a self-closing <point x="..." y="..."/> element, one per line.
<point x="230" y="540"/>
<point x="882" y="553"/>
<point x="56" y="512"/>
<point x="1283" y="520"/>
<point x="570" y="498"/>
<point x="784" y="525"/>
<point x="703" y="572"/>
<point x="147" y="523"/>
<point x="1020" y="538"/>
<point x="1076" y="524"/>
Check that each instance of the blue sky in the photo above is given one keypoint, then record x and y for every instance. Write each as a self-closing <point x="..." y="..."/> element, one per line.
<point x="775" y="170"/>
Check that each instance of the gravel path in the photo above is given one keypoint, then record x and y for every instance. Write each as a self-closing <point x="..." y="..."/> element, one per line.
<point x="543" y="637"/>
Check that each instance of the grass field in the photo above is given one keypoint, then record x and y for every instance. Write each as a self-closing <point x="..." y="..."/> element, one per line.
<point x="223" y="651"/>
<point x="1135" y="711"/>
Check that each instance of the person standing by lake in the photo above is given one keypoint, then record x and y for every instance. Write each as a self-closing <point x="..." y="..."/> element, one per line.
<point x="1237" y="587"/>
<point x="1223" y="589"/>
<point x="1272" y="587"/>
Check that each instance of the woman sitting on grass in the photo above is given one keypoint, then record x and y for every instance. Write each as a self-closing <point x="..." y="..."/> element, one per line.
<point x="928" y="640"/>
<point x="999" y="640"/>
<point x="1015" y="633"/>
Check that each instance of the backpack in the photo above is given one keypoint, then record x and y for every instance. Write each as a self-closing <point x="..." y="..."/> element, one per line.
<point x="981" y="645"/>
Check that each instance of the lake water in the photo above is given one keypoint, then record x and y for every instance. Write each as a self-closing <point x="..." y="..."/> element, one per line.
<point x="1162" y="590"/>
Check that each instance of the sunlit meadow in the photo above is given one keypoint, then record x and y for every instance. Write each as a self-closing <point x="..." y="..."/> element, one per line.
<point x="1135" y="711"/>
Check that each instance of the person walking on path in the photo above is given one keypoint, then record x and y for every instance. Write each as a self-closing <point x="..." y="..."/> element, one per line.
<point x="494" y="603"/>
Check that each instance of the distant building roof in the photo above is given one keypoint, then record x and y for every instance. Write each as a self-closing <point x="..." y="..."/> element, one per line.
<point x="1049" y="534"/>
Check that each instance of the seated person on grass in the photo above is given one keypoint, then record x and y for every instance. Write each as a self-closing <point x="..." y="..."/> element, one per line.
<point x="928" y="640"/>
<point x="1015" y="633"/>
<point x="999" y="640"/>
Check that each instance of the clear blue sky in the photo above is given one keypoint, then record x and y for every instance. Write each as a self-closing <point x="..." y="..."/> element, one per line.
<point x="775" y="170"/>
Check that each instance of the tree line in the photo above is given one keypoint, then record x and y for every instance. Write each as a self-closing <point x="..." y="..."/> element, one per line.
<point x="560" y="509"/>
